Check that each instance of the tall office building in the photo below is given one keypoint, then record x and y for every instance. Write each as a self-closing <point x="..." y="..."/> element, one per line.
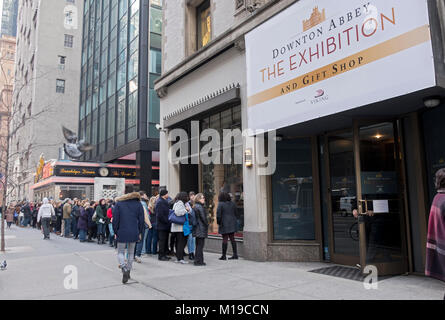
<point x="46" y="90"/>
<point x="121" y="59"/>
<point x="9" y="18"/>
<point x="7" y="54"/>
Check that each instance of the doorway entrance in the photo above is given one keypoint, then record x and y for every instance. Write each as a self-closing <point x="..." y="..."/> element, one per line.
<point x="366" y="197"/>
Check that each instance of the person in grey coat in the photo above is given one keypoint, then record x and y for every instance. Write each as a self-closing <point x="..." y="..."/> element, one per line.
<point x="200" y="230"/>
<point x="227" y="224"/>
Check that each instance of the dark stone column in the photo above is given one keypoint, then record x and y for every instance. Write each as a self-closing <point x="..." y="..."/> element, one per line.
<point x="144" y="173"/>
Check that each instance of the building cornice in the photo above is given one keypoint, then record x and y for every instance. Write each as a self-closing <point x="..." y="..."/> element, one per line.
<point x="233" y="37"/>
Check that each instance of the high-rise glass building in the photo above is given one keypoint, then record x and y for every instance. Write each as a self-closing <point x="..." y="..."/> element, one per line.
<point x="9" y="18"/>
<point x="121" y="59"/>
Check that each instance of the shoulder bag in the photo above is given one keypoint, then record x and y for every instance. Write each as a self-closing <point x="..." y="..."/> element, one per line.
<point x="173" y="218"/>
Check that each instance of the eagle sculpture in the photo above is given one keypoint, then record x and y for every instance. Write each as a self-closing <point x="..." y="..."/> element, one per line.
<point x="73" y="148"/>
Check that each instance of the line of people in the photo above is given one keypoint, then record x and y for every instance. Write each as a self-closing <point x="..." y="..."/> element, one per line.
<point x="135" y="224"/>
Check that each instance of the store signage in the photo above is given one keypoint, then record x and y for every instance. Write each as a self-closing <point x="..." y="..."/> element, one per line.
<point x="71" y="171"/>
<point x="318" y="58"/>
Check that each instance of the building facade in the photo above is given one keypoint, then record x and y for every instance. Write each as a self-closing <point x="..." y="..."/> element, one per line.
<point x="121" y="59"/>
<point x="9" y="18"/>
<point x="351" y="98"/>
<point x="7" y="55"/>
<point x="46" y="90"/>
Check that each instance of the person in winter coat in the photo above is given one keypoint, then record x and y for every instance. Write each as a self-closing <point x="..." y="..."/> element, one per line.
<point x="128" y="225"/>
<point x="67" y="209"/>
<point x="226" y="218"/>
<point x="435" y="254"/>
<point x="110" y="224"/>
<point x="101" y="212"/>
<point x="26" y="209"/>
<point x="162" y="210"/>
<point x="82" y="222"/>
<point x="9" y="216"/>
<point x="46" y="212"/>
<point x="201" y="229"/>
<point x="180" y="210"/>
<point x="92" y="227"/>
<point x="151" y="245"/>
<point x="147" y="224"/>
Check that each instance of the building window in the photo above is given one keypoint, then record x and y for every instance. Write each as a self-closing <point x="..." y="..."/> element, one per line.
<point x="204" y="23"/>
<point x="60" y="86"/>
<point x="62" y="61"/>
<point x="69" y="40"/>
<point x="292" y="191"/>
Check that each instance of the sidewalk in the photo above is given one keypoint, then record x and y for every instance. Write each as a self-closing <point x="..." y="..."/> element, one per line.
<point x="37" y="272"/>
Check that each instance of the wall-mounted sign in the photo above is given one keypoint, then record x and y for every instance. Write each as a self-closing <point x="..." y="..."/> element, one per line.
<point x="322" y="57"/>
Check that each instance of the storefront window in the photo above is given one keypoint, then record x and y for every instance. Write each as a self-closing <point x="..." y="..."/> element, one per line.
<point x="292" y="191"/>
<point x="434" y="146"/>
<point x="223" y="177"/>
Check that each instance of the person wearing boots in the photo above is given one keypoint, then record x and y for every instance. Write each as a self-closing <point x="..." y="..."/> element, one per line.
<point x="226" y="218"/>
<point x="128" y="226"/>
<point x="101" y="212"/>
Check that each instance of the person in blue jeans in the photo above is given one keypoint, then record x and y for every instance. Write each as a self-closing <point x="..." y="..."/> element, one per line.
<point x="151" y="244"/>
<point x="191" y="240"/>
<point x="147" y="226"/>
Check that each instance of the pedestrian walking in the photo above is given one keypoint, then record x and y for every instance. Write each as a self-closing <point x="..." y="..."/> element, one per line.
<point x="128" y="225"/>
<point x="35" y="212"/>
<point x="46" y="212"/>
<point x="435" y="255"/>
<point x="162" y="210"/>
<point x="226" y="218"/>
<point x="200" y="229"/>
<point x="180" y="210"/>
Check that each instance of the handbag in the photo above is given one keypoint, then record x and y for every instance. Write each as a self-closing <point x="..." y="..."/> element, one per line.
<point x="173" y="218"/>
<point x="187" y="228"/>
<point x="94" y="218"/>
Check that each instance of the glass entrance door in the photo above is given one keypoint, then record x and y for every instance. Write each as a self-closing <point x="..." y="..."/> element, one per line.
<point x="381" y="209"/>
<point x="366" y="205"/>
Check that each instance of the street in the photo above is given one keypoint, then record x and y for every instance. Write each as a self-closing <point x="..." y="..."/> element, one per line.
<point x="36" y="271"/>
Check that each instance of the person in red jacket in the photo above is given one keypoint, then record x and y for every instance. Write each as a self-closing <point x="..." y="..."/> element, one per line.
<point x="110" y="224"/>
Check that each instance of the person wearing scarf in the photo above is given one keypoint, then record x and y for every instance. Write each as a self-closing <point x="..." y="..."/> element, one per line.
<point x="435" y="246"/>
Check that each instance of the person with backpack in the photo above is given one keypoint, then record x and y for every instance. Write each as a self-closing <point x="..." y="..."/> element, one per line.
<point x="200" y="228"/>
<point x="180" y="210"/>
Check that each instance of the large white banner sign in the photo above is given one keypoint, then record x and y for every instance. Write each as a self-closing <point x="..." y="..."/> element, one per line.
<point x="322" y="57"/>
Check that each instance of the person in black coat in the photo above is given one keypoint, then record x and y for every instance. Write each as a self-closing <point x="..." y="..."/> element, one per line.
<point x="162" y="209"/>
<point x="91" y="224"/>
<point x="226" y="218"/>
<point x="128" y="226"/>
<point x="200" y="229"/>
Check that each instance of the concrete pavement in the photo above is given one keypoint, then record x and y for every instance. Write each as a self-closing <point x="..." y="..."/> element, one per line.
<point x="36" y="271"/>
